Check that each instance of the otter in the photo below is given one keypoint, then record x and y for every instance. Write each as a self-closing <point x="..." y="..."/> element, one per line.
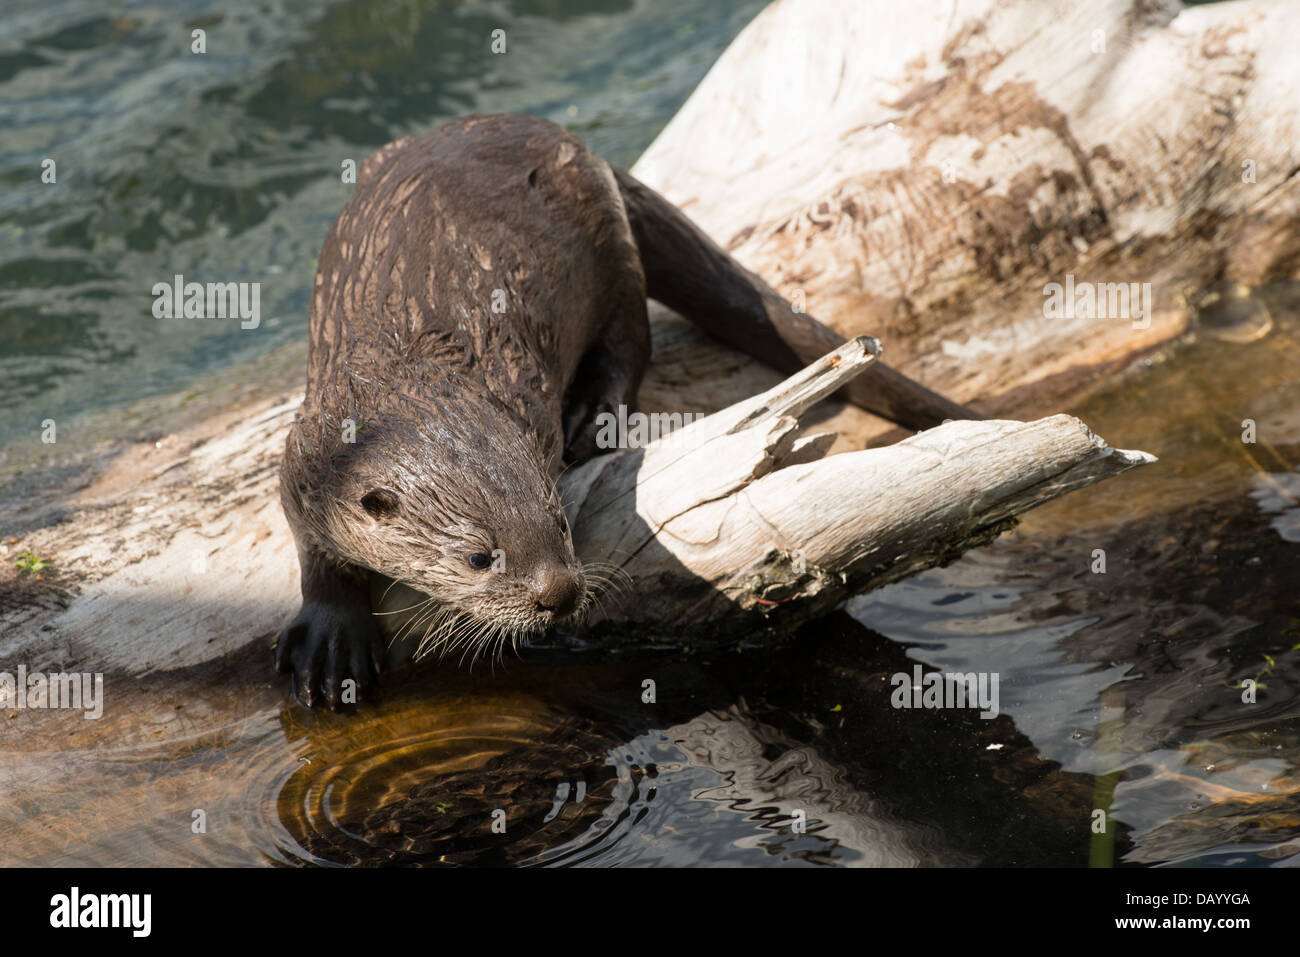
<point x="478" y="303"/>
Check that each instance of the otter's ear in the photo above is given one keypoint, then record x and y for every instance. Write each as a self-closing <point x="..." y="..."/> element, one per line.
<point x="381" y="502"/>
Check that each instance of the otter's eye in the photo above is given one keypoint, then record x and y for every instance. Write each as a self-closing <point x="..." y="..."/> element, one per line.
<point x="480" y="561"/>
<point x="380" y="502"/>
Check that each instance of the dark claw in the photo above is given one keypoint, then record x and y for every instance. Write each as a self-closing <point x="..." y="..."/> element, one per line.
<point x="326" y="645"/>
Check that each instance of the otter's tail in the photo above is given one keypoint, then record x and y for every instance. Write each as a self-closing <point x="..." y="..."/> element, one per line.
<point x="688" y="272"/>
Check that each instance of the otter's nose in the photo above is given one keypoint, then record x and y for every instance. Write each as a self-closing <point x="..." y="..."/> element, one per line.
<point x="557" y="590"/>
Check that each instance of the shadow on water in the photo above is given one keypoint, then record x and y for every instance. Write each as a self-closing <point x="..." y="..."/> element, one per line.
<point x="1141" y="673"/>
<point x="563" y="749"/>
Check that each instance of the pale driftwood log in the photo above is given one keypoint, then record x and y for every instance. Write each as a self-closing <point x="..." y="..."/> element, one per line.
<point x="738" y="521"/>
<point x="728" y="523"/>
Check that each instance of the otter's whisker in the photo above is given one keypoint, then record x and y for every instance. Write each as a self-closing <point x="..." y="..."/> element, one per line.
<point x="398" y="611"/>
<point x="483" y="640"/>
<point x="416" y="619"/>
<point x="430" y="622"/>
<point x="386" y="591"/>
<point x="434" y="622"/>
<point x="460" y="633"/>
<point x="447" y="628"/>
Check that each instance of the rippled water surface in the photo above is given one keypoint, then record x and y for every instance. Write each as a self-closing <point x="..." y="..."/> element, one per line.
<point x="1121" y="689"/>
<point x="227" y="165"/>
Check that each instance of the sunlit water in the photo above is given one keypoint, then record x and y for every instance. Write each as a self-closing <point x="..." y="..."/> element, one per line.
<point x="1120" y="690"/>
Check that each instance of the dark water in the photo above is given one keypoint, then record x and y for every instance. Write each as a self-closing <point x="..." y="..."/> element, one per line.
<point x="1120" y="691"/>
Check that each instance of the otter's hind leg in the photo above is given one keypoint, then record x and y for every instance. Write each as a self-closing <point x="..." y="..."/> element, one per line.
<point x="608" y="376"/>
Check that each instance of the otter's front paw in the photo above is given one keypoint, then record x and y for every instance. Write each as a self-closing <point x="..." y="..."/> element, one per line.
<point x="326" y="645"/>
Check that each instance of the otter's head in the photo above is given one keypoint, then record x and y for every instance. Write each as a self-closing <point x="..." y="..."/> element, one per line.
<point x="449" y="494"/>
